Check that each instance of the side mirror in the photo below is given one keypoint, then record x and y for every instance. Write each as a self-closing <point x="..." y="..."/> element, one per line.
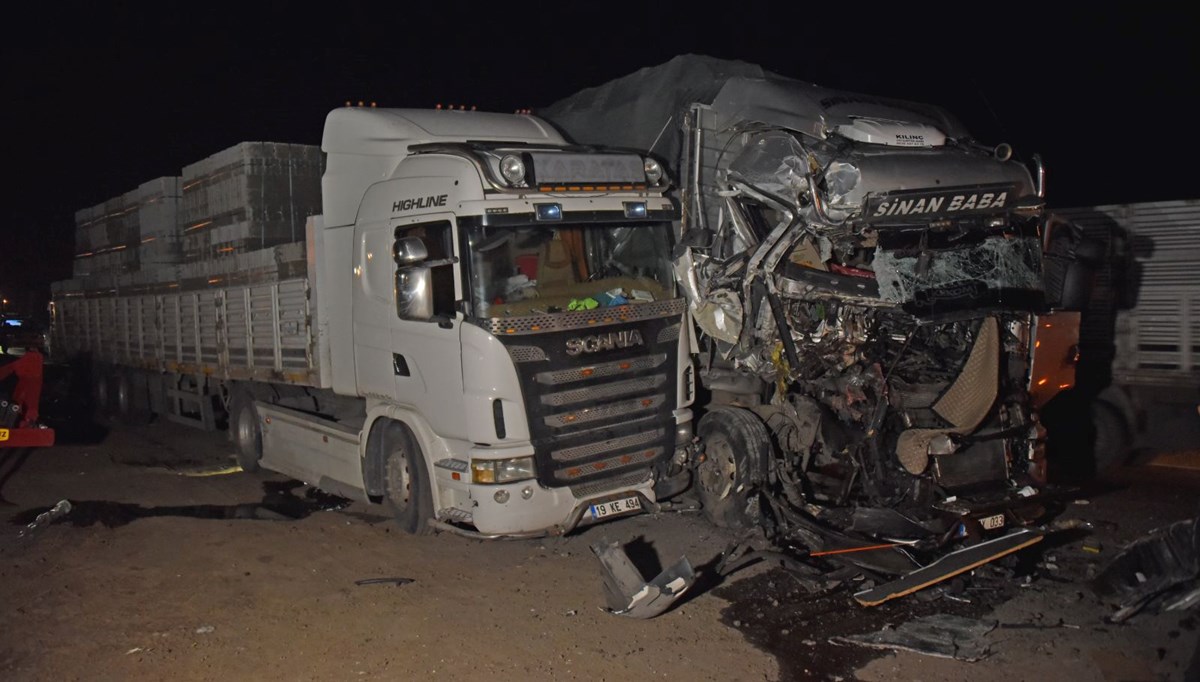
<point x="409" y="250"/>
<point x="414" y="291"/>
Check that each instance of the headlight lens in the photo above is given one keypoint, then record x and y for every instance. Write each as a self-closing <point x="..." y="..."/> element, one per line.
<point x="490" y="471"/>
<point x="513" y="169"/>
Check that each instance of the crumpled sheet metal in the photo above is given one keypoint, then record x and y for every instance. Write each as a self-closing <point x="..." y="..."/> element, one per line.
<point x="628" y="593"/>
<point x="720" y="316"/>
<point x="773" y="162"/>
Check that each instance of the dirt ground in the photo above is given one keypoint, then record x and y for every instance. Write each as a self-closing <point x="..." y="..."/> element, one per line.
<point x="160" y="575"/>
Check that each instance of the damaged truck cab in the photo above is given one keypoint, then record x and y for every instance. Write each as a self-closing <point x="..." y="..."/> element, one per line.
<point x="870" y="289"/>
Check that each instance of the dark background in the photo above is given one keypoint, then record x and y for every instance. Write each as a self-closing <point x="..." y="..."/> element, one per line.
<point x="99" y="98"/>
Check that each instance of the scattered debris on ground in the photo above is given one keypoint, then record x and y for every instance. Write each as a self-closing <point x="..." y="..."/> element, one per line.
<point x="383" y="581"/>
<point x="626" y="590"/>
<point x="944" y="635"/>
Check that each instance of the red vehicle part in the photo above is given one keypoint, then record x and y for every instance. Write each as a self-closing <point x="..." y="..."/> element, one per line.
<point x="37" y="437"/>
<point x="26" y="394"/>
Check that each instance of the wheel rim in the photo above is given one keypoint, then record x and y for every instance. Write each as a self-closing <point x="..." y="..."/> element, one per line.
<point x="399" y="480"/>
<point x="719" y="468"/>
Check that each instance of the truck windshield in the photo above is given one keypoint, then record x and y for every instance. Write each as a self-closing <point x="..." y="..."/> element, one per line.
<point x="537" y="269"/>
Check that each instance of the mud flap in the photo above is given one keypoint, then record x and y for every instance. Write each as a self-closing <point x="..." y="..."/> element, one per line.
<point x="628" y="593"/>
<point x="949" y="566"/>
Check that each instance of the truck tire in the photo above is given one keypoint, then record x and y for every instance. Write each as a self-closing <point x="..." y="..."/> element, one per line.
<point x="129" y="403"/>
<point x="102" y="402"/>
<point x="245" y="427"/>
<point x="406" y="483"/>
<point x="735" y="444"/>
<point x="1113" y="443"/>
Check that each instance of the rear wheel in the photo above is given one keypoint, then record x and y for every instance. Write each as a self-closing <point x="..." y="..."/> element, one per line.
<point x="736" y="445"/>
<point x="129" y="400"/>
<point x="246" y="428"/>
<point x="406" y="484"/>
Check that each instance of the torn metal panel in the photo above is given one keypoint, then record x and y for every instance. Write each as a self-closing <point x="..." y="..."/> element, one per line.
<point x="628" y="593"/>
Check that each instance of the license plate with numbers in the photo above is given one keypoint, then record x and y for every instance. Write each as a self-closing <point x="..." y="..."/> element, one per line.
<point x="992" y="522"/>
<point x="625" y="505"/>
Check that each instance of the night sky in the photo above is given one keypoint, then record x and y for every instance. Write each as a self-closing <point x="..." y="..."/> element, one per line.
<point x="100" y="98"/>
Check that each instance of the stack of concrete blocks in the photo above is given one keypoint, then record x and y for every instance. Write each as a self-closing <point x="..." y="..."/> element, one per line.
<point x="158" y="223"/>
<point x="124" y="234"/>
<point x="252" y="196"/>
<point x="106" y="239"/>
<point x="272" y="264"/>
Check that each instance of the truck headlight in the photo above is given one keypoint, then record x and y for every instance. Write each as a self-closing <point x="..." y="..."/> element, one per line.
<point x="513" y="169"/>
<point x="490" y="471"/>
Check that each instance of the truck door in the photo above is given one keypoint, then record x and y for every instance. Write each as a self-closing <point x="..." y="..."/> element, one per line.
<point x="413" y="362"/>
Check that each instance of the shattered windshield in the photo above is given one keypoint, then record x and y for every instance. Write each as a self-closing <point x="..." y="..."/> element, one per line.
<point x="537" y="269"/>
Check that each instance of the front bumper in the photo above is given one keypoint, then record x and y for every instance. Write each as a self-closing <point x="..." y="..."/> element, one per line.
<point x="531" y="510"/>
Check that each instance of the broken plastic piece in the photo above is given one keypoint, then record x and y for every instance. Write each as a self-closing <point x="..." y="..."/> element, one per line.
<point x="626" y="590"/>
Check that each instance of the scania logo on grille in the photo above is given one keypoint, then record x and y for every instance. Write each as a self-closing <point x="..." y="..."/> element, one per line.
<point x="609" y="341"/>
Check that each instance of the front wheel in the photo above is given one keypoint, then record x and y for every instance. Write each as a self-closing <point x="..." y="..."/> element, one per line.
<point x="406" y="485"/>
<point x="736" y="448"/>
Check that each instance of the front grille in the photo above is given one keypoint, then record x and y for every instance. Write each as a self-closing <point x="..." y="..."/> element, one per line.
<point x="526" y="353"/>
<point x="602" y="370"/>
<point x="591" y="450"/>
<point x="598" y="487"/>
<point x="613" y="390"/>
<point x="587" y="415"/>
<point x="605" y="415"/>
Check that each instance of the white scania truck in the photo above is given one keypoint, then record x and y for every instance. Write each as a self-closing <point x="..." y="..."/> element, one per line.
<point x="483" y="331"/>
